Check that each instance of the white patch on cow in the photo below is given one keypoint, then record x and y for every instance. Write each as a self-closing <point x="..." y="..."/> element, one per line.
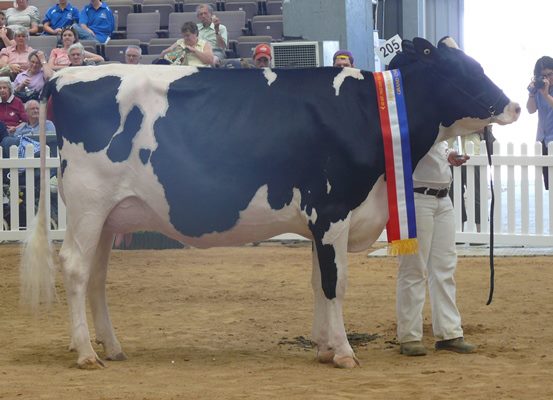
<point x="335" y="230"/>
<point x="328" y="187"/>
<point x="143" y="86"/>
<point x="369" y="219"/>
<point x="449" y="42"/>
<point x="270" y="75"/>
<point x="259" y="221"/>
<point x="461" y="127"/>
<point x="344" y="73"/>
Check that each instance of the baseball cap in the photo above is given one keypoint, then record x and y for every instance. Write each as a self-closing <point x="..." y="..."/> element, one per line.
<point x="262" y="50"/>
<point x="343" y="54"/>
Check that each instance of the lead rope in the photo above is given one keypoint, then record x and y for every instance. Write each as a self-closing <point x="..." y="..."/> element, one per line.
<point x="489" y="150"/>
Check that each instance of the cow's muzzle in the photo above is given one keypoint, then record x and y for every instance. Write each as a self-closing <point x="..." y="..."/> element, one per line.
<point x="510" y="114"/>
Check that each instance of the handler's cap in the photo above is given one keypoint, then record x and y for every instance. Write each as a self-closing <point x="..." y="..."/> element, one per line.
<point x="344" y="55"/>
<point x="262" y="50"/>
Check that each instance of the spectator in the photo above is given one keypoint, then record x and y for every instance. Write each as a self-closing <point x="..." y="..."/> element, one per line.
<point x="342" y="58"/>
<point x="133" y="54"/>
<point x="262" y="55"/>
<point x="190" y="50"/>
<point x="96" y="22"/>
<point x="30" y="129"/>
<point x="76" y="55"/>
<point x="212" y="31"/>
<point x="16" y="57"/>
<point x="58" y="17"/>
<point x="59" y="58"/>
<point x="6" y="34"/>
<point x="29" y="83"/>
<point x="540" y="100"/>
<point x="435" y="261"/>
<point x="12" y="112"/>
<point x="23" y="15"/>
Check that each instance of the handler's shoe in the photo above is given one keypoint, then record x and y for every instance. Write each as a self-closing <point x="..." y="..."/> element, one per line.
<point x="457" y="345"/>
<point x="412" y="348"/>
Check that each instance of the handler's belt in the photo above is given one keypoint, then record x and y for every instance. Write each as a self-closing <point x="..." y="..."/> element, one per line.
<point x="439" y="193"/>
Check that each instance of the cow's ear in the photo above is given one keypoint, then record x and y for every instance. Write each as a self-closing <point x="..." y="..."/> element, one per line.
<point x="448" y="41"/>
<point x="406" y="56"/>
<point x="425" y="50"/>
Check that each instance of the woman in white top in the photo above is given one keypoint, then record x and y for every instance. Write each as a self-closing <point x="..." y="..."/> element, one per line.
<point x="23" y="15"/>
<point x="190" y="50"/>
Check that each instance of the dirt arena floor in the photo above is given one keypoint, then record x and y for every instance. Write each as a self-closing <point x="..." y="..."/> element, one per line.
<point x="234" y="323"/>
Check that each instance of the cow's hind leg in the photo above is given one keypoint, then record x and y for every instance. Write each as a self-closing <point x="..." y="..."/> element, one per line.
<point x="319" y="334"/>
<point x="328" y="328"/>
<point x="76" y="258"/>
<point x="105" y="334"/>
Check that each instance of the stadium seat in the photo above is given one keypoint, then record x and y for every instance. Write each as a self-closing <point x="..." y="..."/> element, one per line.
<point x="274" y="7"/>
<point x="235" y="21"/>
<point x="249" y="7"/>
<point x="143" y="26"/>
<point x="268" y="25"/>
<point x="148" y="58"/>
<point x="176" y="20"/>
<point x="157" y="45"/>
<point x="121" y="11"/>
<point x="44" y="43"/>
<point x="163" y="7"/>
<point x="246" y="44"/>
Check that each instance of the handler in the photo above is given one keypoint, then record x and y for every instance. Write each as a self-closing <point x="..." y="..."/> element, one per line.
<point x="436" y="260"/>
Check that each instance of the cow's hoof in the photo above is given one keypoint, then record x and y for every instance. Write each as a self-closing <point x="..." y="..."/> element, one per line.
<point x="117" y="357"/>
<point x="325" y="356"/>
<point x="346" y="362"/>
<point x="91" y="363"/>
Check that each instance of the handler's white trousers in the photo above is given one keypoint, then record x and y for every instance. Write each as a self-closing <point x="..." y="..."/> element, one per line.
<point x="435" y="261"/>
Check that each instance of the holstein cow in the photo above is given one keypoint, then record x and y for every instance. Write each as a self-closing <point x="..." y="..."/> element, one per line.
<point x="218" y="158"/>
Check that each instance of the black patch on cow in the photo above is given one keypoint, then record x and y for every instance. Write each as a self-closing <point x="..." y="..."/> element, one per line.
<point x="63" y="166"/>
<point x="144" y="155"/>
<point x="90" y="112"/>
<point x="121" y="145"/>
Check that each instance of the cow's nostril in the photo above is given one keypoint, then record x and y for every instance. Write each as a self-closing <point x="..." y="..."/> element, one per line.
<point x="517" y="109"/>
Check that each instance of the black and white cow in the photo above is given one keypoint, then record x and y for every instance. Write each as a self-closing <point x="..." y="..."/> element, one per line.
<point x="218" y="158"/>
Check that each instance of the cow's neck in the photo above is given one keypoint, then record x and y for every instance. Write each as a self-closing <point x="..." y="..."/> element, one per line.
<point x="422" y="110"/>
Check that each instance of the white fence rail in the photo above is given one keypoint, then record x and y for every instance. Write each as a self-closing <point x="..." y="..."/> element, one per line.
<point x="523" y="214"/>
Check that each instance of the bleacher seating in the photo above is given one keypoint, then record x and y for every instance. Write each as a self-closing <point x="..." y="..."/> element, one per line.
<point x="121" y="11"/>
<point x="143" y="26"/>
<point x="163" y="7"/>
<point x="235" y="21"/>
<point x="176" y="20"/>
<point x="268" y="25"/>
<point x="157" y="45"/>
<point x="148" y="58"/>
<point x="44" y="43"/>
<point x="249" y="7"/>
<point x="273" y="7"/>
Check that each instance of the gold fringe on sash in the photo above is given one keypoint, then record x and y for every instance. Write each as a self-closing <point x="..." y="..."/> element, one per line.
<point x="403" y="247"/>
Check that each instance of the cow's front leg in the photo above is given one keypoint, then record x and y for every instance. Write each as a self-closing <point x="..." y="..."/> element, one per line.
<point x="105" y="334"/>
<point x="328" y="327"/>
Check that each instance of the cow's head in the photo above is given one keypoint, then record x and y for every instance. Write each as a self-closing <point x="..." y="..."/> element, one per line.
<point x="466" y="98"/>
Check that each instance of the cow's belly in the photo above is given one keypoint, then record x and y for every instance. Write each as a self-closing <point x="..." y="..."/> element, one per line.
<point x="257" y="222"/>
<point x="369" y="219"/>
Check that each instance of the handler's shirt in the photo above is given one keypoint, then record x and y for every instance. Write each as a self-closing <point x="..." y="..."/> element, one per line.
<point x="433" y="169"/>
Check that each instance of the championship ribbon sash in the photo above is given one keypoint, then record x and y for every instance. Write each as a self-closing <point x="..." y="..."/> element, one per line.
<point x="401" y="227"/>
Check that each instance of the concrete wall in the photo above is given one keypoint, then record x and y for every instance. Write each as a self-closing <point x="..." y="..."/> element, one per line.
<point x="348" y="21"/>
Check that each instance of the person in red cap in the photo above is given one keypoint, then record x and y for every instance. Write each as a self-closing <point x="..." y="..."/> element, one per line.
<point x="262" y="55"/>
<point x="342" y="58"/>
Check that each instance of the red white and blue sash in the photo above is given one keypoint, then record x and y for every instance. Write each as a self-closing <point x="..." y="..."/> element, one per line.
<point x="401" y="226"/>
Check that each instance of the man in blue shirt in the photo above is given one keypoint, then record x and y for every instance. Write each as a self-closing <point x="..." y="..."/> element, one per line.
<point x="59" y="16"/>
<point x="96" y="22"/>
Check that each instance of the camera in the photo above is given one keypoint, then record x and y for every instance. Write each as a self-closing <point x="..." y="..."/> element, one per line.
<point x="538" y="82"/>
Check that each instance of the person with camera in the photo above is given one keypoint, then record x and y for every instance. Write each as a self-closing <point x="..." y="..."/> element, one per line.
<point x="540" y="99"/>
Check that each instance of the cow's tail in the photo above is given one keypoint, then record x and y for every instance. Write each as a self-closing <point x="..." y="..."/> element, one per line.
<point x="38" y="271"/>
